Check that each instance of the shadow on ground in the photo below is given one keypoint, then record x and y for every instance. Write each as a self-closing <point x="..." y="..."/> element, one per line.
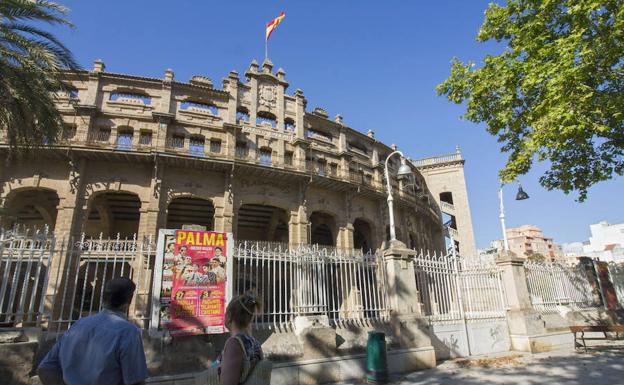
<point x="602" y="365"/>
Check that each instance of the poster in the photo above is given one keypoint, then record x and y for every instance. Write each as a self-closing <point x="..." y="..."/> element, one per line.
<point x="606" y="286"/>
<point x="192" y="279"/>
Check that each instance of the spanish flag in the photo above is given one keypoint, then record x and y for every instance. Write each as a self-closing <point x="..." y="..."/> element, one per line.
<point x="271" y="25"/>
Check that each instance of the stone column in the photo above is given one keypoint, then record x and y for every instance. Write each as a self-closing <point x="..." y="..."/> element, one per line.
<point x="300" y="152"/>
<point x="253" y="84"/>
<point x="300" y="113"/>
<point x="298" y="227"/>
<point x="224" y="207"/>
<point x="231" y="85"/>
<point x="71" y="214"/>
<point x="527" y="329"/>
<point x="345" y="237"/>
<point x="281" y="107"/>
<point x="150" y="218"/>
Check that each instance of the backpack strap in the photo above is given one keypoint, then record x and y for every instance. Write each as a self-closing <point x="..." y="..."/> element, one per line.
<point x="242" y="345"/>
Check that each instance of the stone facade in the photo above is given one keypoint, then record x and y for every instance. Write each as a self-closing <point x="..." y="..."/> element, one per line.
<point x="445" y="179"/>
<point x="139" y="154"/>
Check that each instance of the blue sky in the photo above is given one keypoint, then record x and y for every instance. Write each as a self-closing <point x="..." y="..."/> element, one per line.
<point x="374" y="62"/>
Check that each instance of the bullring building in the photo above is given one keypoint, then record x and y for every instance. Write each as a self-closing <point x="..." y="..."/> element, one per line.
<point x="138" y="154"/>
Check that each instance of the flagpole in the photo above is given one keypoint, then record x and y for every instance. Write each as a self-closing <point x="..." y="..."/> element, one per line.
<point x="266" y="49"/>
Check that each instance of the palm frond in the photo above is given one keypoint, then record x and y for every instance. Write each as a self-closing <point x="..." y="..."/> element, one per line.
<point x="34" y="10"/>
<point x="32" y="62"/>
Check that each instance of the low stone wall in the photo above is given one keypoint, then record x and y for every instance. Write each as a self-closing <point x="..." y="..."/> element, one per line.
<point x="456" y="339"/>
<point x="16" y="362"/>
<point x="312" y="349"/>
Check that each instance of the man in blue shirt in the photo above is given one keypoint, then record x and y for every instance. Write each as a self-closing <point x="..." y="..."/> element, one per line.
<point x="103" y="349"/>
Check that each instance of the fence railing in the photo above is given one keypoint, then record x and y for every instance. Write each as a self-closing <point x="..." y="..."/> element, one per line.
<point x="436" y="160"/>
<point x="450" y="289"/>
<point x="25" y="259"/>
<point x="617" y="277"/>
<point x="552" y="285"/>
<point x="310" y="281"/>
<point x="83" y="266"/>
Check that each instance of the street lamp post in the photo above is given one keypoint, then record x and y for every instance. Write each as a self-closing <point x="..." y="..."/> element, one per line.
<point x="521" y="195"/>
<point x="404" y="170"/>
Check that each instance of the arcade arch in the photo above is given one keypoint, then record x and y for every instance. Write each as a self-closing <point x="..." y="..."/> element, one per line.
<point x="112" y="213"/>
<point x="262" y="223"/>
<point x="363" y="235"/>
<point x="34" y="208"/>
<point x="188" y="210"/>
<point x="323" y="229"/>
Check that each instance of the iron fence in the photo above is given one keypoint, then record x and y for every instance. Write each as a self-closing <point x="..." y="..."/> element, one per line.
<point x="85" y="264"/>
<point x="552" y="285"/>
<point x="451" y="288"/>
<point x="310" y="280"/>
<point x="25" y="259"/>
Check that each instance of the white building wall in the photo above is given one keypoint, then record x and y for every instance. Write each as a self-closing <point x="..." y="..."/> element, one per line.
<point x="604" y="234"/>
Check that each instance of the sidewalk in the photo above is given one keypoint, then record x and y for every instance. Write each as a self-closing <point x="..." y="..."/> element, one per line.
<point x="602" y="365"/>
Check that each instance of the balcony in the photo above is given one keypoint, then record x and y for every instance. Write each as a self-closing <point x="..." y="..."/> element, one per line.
<point x="453" y="233"/>
<point x="175" y="143"/>
<point x="437" y="160"/>
<point x="447" y="208"/>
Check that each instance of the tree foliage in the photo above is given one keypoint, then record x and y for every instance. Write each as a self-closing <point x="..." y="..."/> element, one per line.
<point x="32" y="62"/>
<point x="556" y="91"/>
<point x="536" y="257"/>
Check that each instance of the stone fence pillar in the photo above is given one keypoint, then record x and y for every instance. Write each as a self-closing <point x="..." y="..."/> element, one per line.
<point x="409" y="328"/>
<point x="402" y="291"/>
<point x="527" y="328"/>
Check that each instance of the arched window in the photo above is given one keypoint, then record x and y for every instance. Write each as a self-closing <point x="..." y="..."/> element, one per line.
<point x="266" y="118"/>
<point x="264" y="156"/>
<point x="289" y="124"/>
<point x="201" y="107"/>
<point x="196" y="145"/>
<point x="242" y="115"/>
<point x="124" y="138"/>
<point x="131" y="98"/>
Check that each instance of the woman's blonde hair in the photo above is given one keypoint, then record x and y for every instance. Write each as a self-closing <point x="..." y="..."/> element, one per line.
<point x="241" y="311"/>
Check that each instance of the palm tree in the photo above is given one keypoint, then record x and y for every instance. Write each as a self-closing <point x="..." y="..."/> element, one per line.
<point x="32" y="65"/>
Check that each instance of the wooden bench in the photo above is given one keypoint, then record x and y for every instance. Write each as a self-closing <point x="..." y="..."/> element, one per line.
<point x="617" y="329"/>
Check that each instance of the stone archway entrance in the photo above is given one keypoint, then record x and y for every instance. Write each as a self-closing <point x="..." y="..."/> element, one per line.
<point x="362" y="235"/>
<point x="262" y="223"/>
<point x="322" y="229"/>
<point x="113" y="213"/>
<point x="33" y="208"/>
<point x="190" y="211"/>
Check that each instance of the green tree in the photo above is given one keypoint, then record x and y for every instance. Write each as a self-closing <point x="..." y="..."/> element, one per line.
<point x="556" y="91"/>
<point x="32" y="62"/>
<point x="536" y="257"/>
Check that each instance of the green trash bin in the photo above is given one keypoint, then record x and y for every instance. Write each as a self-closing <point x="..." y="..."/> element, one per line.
<point x="376" y="362"/>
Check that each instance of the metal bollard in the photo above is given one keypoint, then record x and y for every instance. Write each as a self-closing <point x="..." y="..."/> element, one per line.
<point x="376" y="362"/>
